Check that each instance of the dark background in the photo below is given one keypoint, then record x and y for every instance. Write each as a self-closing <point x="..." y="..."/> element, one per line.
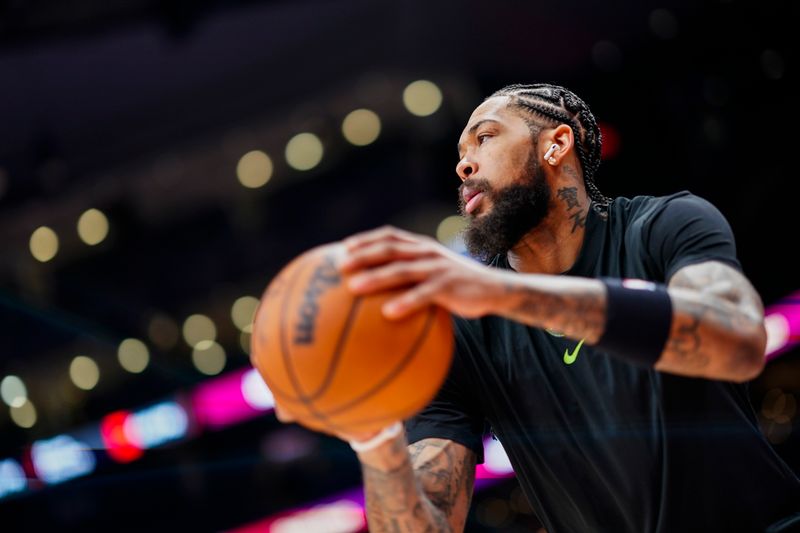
<point x="142" y="109"/>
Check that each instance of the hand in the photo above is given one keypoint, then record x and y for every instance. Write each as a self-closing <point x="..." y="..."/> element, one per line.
<point x="390" y="258"/>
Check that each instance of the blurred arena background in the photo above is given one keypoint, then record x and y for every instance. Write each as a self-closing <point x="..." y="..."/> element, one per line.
<point x="160" y="161"/>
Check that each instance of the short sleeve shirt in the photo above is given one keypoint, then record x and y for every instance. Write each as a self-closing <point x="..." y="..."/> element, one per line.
<point x="599" y="444"/>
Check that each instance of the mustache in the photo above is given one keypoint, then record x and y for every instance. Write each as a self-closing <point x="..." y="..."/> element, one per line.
<point x="476" y="184"/>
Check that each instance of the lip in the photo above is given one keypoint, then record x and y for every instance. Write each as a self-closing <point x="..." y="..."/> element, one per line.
<point x="467" y="193"/>
<point x="472" y="199"/>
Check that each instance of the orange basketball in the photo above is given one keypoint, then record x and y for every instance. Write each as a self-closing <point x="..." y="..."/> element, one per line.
<point x="331" y="359"/>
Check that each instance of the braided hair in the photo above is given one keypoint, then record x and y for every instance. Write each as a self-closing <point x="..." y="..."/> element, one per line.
<point x="558" y="105"/>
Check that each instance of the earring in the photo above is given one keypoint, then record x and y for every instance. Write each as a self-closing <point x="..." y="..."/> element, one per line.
<point x="552" y="160"/>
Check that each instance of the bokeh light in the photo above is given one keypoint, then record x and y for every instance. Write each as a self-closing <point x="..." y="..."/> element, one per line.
<point x="13" y="391"/>
<point x="255" y="391"/>
<point x="422" y="98"/>
<point x="92" y="227"/>
<point x="254" y="169"/>
<point x="25" y="415"/>
<point x="244" y="341"/>
<point x="133" y="355"/>
<point x="777" y="411"/>
<point x="198" y="328"/>
<point x="518" y="502"/>
<point x="450" y="228"/>
<point x="84" y="372"/>
<point x="304" y="151"/>
<point x="778" y="331"/>
<point x="12" y="477"/>
<point x="494" y="512"/>
<point x="208" y="357"/>
<point x="44" y="244"/>
<point x="361" y="127"/>
<point x="612" y="142"/>
<point x="243" y="310"/>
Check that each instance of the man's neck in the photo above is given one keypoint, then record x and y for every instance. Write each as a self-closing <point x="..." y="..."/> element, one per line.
<point x="553" y="246"/>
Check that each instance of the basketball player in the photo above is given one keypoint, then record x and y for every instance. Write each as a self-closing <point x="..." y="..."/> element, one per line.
<point x="606" y="343"/>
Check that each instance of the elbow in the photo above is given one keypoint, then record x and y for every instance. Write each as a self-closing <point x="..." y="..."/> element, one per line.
<point x="747" y="358"/>
<point x="748" y="370"/>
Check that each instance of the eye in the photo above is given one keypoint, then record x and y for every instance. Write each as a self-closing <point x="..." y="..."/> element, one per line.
<point x="482" y="137"/>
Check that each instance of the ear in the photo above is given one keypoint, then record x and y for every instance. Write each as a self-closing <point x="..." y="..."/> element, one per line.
<point x="561" y="136"/>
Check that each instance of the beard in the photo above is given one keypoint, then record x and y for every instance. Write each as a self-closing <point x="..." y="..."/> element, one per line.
<point x="515" y="211"/>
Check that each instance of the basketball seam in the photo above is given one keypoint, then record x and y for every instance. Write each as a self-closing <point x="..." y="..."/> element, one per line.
<point x="279" y="393"/>
<point x="276" y="391"/>
<point x="287" y="360"/>
<point x="259" y="335"/>
<point x="337" y="354"/>
<point x="410" y="355"/>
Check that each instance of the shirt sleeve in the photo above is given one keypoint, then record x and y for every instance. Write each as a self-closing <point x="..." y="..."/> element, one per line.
<point x="454" y="413"/>
<point x="686" y="230"/>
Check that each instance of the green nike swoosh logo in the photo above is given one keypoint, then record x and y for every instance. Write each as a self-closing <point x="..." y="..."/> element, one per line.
<point x="569" y="358"/>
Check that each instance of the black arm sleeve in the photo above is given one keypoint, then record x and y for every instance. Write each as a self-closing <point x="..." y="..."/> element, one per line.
<point x="454" y="413"/>
<point x="686" y="229"/>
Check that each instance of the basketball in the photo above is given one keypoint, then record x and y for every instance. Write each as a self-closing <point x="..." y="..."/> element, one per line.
<point x="331" y="359"/>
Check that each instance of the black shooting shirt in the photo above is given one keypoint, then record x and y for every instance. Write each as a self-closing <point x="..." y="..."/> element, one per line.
<point x="603" y="445"/>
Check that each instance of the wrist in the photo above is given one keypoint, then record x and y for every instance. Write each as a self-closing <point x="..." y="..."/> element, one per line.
<point x="645" y="304"/>
<point x="386" y="434"/>
<point x="385" y="450"/>
<point x="506" y="287"/>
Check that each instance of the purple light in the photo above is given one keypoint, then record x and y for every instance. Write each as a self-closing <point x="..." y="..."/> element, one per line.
<point x="782" y="321"/>
<point x="221" y="402"/>
<point x="347" y="508"/>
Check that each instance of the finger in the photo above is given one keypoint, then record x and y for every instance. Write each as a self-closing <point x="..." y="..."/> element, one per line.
<point x="382" y="252"/>
<point x="413" y="300"/>
<point x="383" y="233"/>
<point x="393" y="275"/>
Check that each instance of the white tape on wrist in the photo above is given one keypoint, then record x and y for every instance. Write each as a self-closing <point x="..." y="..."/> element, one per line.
<point x="386" y="433"/>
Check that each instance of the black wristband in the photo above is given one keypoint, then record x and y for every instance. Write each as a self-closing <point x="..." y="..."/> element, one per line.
<point x="638" y="320"/>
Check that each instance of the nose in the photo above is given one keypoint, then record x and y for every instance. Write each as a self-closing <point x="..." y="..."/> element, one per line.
<point x="465" y="169"/>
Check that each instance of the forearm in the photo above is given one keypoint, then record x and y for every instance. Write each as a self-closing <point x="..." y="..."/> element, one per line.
<point x="713" y="334"/>
<point x="712" y="337"/>
<point x="575" y="307"/>
<point x="395" y="500"/>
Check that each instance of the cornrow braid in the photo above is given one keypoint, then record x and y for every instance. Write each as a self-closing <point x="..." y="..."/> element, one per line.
<point x="561" y="106"/>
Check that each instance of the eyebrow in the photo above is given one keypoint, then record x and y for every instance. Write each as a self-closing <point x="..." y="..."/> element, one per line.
<point x="472" y="129"/>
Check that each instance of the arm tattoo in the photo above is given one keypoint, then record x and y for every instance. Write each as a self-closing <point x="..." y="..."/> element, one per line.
<point x="429" y="491"/>
<point x="440" y="475"/>
<point x="415" y="449"/>
<point x="717" y="322"/>
<point x="576" y="309"/>
<point x="685" y="342"/>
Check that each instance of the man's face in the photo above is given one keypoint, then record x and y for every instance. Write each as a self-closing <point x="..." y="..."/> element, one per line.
<point x="504" y="193"/>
